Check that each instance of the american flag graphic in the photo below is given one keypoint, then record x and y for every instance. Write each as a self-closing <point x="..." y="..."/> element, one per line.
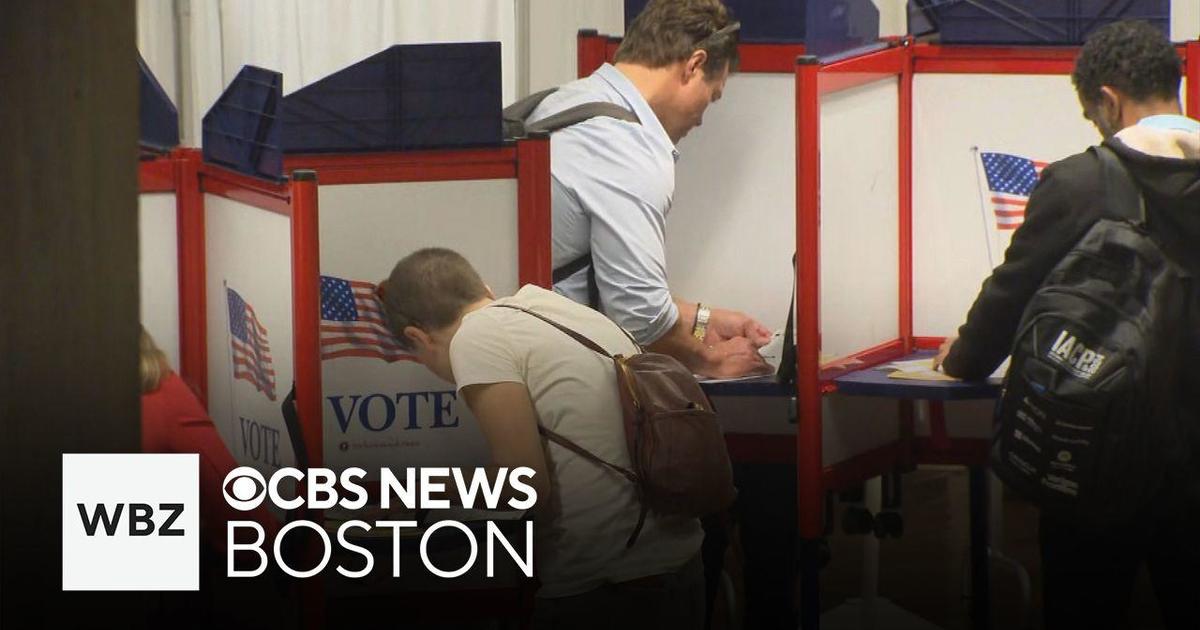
<point x="1010" y="180"/>
<point x="251" y="352"/>
<point x="352" y="323"/>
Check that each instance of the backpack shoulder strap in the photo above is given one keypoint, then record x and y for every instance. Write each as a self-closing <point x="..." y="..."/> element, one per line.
<point x="571" y="268"/>
<point x="587" y="343"/>
<point x="562" y="441"/>
<point x="515" y="115"/>
<point x="579" y="113"/>
<point x="521" y="109"/>
<point x="1122" y="192"/>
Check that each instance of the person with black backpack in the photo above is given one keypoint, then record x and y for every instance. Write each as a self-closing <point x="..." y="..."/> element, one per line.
<point x="1099" y="421"/>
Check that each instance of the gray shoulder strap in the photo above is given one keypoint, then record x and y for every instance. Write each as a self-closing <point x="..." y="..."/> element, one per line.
<point x="520" y="110"/>
<point x="580" y="113"/>
<point x="516" y="114"/>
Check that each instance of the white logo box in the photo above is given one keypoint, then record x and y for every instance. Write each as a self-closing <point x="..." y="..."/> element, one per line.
<point x="120" y="561"/>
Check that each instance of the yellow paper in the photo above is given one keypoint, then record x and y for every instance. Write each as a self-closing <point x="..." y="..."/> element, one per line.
<point x="917" y="370"/>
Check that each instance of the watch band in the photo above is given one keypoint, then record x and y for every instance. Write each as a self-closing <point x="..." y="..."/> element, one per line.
<point x="700" y="330"/>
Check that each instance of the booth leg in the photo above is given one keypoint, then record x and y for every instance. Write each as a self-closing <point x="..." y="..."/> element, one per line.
<point x="981" y="609"/>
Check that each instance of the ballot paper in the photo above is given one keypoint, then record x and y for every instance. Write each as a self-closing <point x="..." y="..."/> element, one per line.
<point x="922" y="370"/>
<point x="772" y="353"/>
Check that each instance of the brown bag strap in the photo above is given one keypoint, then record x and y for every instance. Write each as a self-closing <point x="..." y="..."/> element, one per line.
<point x="586" y="454"/>
<point x="588" y="343"/>
<point x="577" y="449"/>
<point x="624" y="472"/>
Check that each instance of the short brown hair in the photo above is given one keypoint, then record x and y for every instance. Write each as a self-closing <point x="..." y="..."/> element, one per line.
<point x="429" y="289"/>
<point x="668" y="31"/>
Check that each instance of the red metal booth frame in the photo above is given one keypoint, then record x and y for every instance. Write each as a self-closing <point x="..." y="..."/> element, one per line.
<point x="901" y="58"/>
<point x="184" y="173"/>
<point x="177" y="172"/>
<point x="813" y="80"/>
<point x="527" y="161"/>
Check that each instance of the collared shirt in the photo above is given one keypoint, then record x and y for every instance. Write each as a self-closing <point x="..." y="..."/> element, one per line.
<point x="1171" y="121"/>
<point x="612" y="183"/>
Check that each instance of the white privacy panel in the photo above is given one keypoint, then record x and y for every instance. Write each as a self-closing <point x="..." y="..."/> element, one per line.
<point x="248" y="251"/>
<point x="954" y="117"/>
<point x="1185" y="20"/>
<point x="732" y="226"/>
<point x="158" y="271"/>
<point x="860" y="217"/>
<point x="378" y="413"/>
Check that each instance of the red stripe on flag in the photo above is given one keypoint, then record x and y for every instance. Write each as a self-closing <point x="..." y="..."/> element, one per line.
<point x="369" y="329"/>
<point x="266" y="371"/>
<point x="359" y="341"/>
<point x="368" y="354"/>
<point x="248" y="350"/>
<point x="266" y="389"/>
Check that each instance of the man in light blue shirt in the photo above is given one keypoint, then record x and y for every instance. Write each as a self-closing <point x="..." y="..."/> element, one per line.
<point x="613" y="181"/>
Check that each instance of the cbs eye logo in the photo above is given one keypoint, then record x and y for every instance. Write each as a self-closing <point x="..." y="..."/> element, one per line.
<point x="244" y="488"/>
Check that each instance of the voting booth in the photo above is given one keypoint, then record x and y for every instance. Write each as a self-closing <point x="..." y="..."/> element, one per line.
<point x="362" y="400"/>
<point x="873" y="166"/>
<point x="291" y="302"/>
<point x="488" y="201"/>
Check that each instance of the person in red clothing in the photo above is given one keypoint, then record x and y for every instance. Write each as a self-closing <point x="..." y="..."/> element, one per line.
<point x="174" y="421"/>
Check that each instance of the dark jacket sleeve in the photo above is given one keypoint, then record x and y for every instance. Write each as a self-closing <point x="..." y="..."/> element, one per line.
<point x="1062" y="207"/>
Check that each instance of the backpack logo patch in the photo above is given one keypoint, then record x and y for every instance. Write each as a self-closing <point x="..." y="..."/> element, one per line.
<point x="1070" y="353"/>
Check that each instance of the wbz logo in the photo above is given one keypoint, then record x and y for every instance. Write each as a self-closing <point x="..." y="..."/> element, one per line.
<point x="131" y="522"/>
<point x="1073" y="355"/>
<point x="141" y="519"/>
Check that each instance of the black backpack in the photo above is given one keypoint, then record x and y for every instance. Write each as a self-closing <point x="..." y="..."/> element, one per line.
<point x="1088" y="424"/>
<point x="515" y="126"/>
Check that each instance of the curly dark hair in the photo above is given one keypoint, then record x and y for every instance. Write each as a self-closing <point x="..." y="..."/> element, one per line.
<point x="1132" y="56"/>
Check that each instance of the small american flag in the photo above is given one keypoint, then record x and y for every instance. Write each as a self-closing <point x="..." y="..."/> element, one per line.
<point x="1010" y="180"/>
<point x="352" y="323"/>
<point x="251" y="352"/>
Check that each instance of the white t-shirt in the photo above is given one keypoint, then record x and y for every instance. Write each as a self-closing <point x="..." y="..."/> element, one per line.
<point x="574" y="390"/>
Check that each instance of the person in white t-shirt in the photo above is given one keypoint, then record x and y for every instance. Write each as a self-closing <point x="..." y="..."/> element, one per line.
<point x="515" y="372"/>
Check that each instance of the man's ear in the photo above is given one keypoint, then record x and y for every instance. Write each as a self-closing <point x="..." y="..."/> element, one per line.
<point x="693" y="67"/>
<point x="417" y="337"/>
<point x="1111" y="100"/>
